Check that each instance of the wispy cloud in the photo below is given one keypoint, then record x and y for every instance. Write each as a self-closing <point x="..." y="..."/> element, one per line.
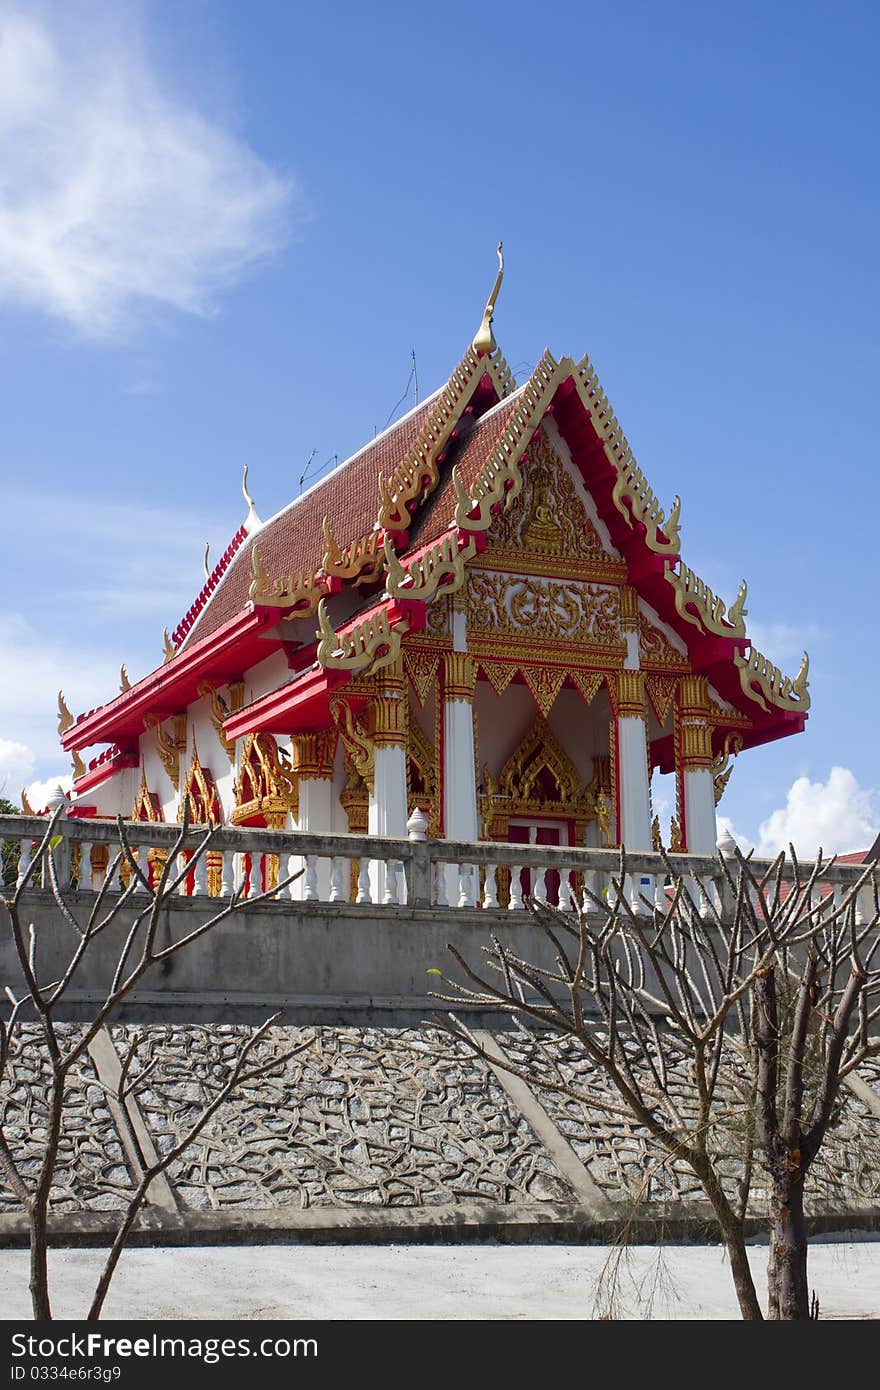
<point x="784" y="643"/>
<point x="115" y="192"/>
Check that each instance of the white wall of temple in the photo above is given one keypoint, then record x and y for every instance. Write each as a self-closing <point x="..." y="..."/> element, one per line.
<point x="202" y="736"/>
<point x="265" y="676"/>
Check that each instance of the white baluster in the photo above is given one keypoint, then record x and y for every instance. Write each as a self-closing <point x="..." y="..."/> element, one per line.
<point x="566" y="898"/>
<point x="390" y="895"/>
<point x="238" y="874"/>
<point x="440" y="885"/>
<point x="363" y="888"/>
<point x="227" y="872"/>
<point x="587" y="904"/>
<point x="516" y="892"/>
<point x="25" y="857"/>
<point x="707" y="898"/>
<point x="465" y="886"/>
<point x="200" y="877"/>
<point x="255" y="880"/>
<point x="182" y="861"/>
<point x="660" y="900"/>
<point x="310" y="890"/>
<point x="539" y="891"/>
<point x="490" y="890"/>
<point x="337" y="880"/>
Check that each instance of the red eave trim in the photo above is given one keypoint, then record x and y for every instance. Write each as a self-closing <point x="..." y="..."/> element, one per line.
<point x="223" y="656"/>
<point x="301" y="705"/>
<point x="96" y="775"/>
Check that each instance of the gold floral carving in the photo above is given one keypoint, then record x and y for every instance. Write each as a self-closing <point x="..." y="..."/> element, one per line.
<point x="421" y="668"/>
<point x="661" y="692"/>
<point x="421" y="773"/>
<point x="369" y="645"/>
<point x="147" y="806"/>
<point x="550" y="519"/>
<point x="437" y="618"/>
<point x="459" y="676"/>
<point x="676" y="845"/>
<point x="542" y="607"/>
<point x="544" y="684"/>
<point x="169" y="746"/>
<point x="697" y="604"/>
<point x="722" y="765"/>
<point x="298" y="592"/>
<point x="763" y="682"/>
<point x="267" y="787"/>
<point x="655" y="647"/>
<point x="588" y="683"/>
<point x="499" y="674"/>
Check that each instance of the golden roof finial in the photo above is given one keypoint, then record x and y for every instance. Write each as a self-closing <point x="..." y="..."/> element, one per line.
<point x="484" y="342"/>
<point x="205" y="560"/>
<point x="79" y="767"/>
<point x="251" y="522"/>
<point x="26" y="806"/>
<point x="168" y="645"/>
<point x="65" y="718"/>
<point x="124" y="682"/>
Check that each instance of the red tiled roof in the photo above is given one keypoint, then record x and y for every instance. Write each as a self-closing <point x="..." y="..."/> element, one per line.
<point x="293" y="540"/>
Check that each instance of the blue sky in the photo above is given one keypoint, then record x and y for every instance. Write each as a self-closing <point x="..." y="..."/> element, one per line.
<point x="223" y="229"/>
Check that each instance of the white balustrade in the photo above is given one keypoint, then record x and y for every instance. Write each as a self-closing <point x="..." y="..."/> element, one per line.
<point x="227" y="872"/>
<point x="439" y="874"/>
<point x="25" y="858"/>
<point x="140" y="858"/>
<point x="539" y="891"/>
<point x="590" y="887"/>
<point x="182" y="861"/>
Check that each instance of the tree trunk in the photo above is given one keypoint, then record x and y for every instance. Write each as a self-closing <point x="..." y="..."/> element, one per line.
<point x="39" y="1283"/>
<point x="788" y="1254"/>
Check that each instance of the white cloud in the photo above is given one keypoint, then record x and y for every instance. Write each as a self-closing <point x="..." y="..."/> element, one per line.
<point x="838" y="816"/>
<point x="16" y="767"/>
<point x="38" y="793"/>
<point x="115" y="192"/>
<point x="784" y="643"/>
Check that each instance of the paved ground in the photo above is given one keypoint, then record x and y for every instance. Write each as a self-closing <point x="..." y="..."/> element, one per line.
<point x="457" y="1283"/>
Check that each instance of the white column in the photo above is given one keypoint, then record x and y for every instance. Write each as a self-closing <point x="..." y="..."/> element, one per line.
<point x="633" y="791"/>
<point x="696" y="783"/>
<point x="388" y="814"/>
<point x="312" y="757"/>
<point x="460" y="819"/>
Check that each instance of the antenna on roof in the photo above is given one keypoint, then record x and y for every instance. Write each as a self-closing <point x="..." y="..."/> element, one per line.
<point x="484" y="342"/>
<point x="251" y="522"/>
<point x="305" y="473"/>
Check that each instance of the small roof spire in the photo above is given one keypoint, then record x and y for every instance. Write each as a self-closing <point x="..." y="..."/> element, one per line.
<point x="484" y="342"/>
<point x="251" y="522"/>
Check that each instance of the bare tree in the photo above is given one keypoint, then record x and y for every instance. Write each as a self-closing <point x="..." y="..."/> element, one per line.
<point x="140" y="952"/>
<point x="771" y="1001"/>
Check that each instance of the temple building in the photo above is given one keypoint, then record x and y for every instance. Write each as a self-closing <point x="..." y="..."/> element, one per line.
<point x="483" y="613"/>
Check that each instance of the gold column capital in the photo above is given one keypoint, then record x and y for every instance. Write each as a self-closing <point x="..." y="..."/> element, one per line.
<point x="629" y="608"/>
<point x="693" y="697"/>
<point x="695" y="746"/>
<point x="388" y="721"/>
<point x="628" y="694"/>
<point x="460" y="676"/>
<point x="313" y="753"/>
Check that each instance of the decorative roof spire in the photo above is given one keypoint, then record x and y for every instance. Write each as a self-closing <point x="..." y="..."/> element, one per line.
<point x="205" y="566"/>
<point x="484" y="342"/>
<point x="252" y="522"/>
